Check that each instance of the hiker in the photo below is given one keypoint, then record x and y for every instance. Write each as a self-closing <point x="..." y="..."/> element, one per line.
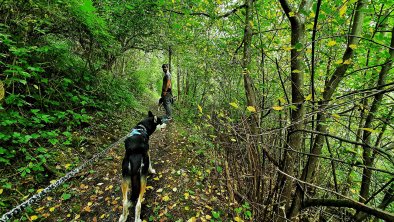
<point x="166" y="93"/>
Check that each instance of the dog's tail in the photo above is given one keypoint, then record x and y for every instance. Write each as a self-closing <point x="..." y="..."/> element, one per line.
<point x="136" y="162"/>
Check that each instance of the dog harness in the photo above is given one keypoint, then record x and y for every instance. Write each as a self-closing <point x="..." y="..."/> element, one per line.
<point x="138" y="131"/>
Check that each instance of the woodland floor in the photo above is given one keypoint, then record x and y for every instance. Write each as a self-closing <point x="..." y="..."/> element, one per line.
<point x="185" y="188"/>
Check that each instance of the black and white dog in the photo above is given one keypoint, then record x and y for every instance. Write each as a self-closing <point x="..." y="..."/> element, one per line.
<point x="136" y="164"/>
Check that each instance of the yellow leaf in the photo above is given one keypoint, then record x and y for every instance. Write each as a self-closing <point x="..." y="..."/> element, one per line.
<point x="339" y="62"/>
<point x="282" y="100"/>
<point x="287" y="48"/>
<point x="251" y="109"/>
<point x="353" y="46"/>
<point x="277" y="108"/>
<point x="336" y="116"/>
<point x="193" y="219"/>
<point x="40" y="209"/>
<point x="291" y="14"/>
<point x="87" y="209"/>
<point x="235" y="105"/>
<point x="311" y="15"/>
<point x="68" y="215"/>
<point x="67" y="166"/>
<point x="187" y="208"/>
<point x="342" y="10"/>
<point x="1" y="191"/>
<point x="308" y="97"/>
<point x="296" y="71"/>
<point x="39" y="190"/>
<point x="49" y="198"/>
<point x="347" y="61"/>
<point x="159" y="190"/>
<point x="331" y="43"/>
<point x="52" y="209"/>
<point x="149" y="188"/>
<point x="77" y="216"/>
<point x="102" y="216"/>
<point x="2" y="90"/>
<point x="166" y="198"/>
<point x="234" y="140"/>
<point x="34" y="217"/>
<point x="186" y="195"/>
<point x="370" y="130"/>
<point x="208" y="217"/>
<point x="199" y="108"/>
<point x="156" y="178"/>
<point x="238" y="219"/>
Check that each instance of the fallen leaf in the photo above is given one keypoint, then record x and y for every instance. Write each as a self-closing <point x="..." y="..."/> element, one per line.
<point x="87" y="209"/>
<point x="238" y="219"/>
<point x="193" y="219"/>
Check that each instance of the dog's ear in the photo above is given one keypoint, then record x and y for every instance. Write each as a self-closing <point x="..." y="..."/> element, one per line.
<point x="155" y="119"/>
<point x="150" y="114"/>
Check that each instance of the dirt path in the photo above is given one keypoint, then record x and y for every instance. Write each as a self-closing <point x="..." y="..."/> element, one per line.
<point x="182" y="189"/>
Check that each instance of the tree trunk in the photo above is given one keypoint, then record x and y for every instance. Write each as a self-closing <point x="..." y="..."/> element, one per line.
<point x="367" y="150"/>
<point x="294" y="138"/>
<point x="329" y="89"/>
<point x="246" y="66"/>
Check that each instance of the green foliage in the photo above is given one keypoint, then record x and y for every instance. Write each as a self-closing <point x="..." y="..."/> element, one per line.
<point x="55" y="62"/>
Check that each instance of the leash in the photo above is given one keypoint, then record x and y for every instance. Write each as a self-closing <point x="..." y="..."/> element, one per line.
<point x="40" y="195"/>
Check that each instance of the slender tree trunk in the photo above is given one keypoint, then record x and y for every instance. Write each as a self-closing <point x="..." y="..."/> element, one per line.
<point x="169" y="59"/>
<point x="178" y="80"/>
<point x="252" y="145"/>
<point x="294" y="138"/>
<point x="246" y="65"/>
<point x="367" y="150"/>
<point x="329" y="89"/>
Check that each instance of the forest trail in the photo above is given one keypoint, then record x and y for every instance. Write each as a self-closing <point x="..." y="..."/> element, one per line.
<point x="181" y="190"/>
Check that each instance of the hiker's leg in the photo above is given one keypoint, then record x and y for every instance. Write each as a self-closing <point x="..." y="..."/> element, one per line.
<point x="167" y="105"/>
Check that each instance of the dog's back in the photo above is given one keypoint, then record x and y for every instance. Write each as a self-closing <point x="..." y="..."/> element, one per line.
<point x="135" y="163"/>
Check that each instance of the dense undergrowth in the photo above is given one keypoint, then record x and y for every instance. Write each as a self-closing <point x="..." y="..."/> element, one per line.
<point x="57" y="82"/>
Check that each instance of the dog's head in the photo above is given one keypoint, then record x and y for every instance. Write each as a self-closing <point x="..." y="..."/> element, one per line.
<point x="152" y="123"/>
